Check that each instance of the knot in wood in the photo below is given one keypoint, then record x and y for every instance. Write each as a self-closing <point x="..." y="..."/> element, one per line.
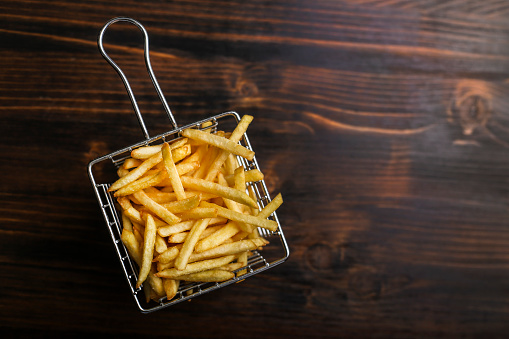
<point x="471" y="106"/>
<point x="320" y="257"/>
<point x="245" y="88"/>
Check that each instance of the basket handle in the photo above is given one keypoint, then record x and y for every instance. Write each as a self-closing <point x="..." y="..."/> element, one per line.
<point x="124" y="78"/>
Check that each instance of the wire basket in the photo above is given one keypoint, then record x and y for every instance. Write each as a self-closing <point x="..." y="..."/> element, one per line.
<point x="102" y="172"/>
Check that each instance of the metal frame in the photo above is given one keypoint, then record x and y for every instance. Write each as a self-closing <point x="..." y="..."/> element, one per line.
<point x="257" y="263"/>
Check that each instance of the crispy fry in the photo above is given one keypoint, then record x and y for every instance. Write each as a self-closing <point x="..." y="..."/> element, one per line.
<point x="160" y="245"/>
<point x="250" y="176"/>
<point x="198" y="213"/>
<point x="271" y="207"/>
<point x="136" y="173"/>
<point x="180" y="153"/>
<point x="171" y="288"/>
<point x="122" y="172"/>
<point x="195" y="267"/>
<point x="182" y="226"/>
<point x="231" y="164"/>
<point x="148" y="250"/>
<point x="163" y="197"/>
<point x="131" y="245"/>
<point x="223" y="155"/>
<point x="214" y="275"/>
<point x="206" y="160"/>
<point x="126" y="222"/>
<point x="217" y="238"/>
<point x="145" y="152"/>
<point x="229" y="249"/>
<point x="240" y="179"/>
<point x="219" y="142"/>
<point x="223" y="191"/>
<point x="142" y="183"/>
<point x="191" y="240"/>
<point x="129" y="210"/>
<point x="172" y="173"/>
<point x="157" y="209"/>
<point x="131" y="163"/>
<point x="181" y="237"/>
<point x="183" y="205"/>
<point x="240" y="217"/>
<point x="232" y="205"/>
<point x="231" y="267"/>
<point x="242" y="259"/>
<point x="170" y="254"/>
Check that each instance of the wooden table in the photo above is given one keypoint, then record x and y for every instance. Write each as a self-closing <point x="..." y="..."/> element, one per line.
<point x="384" y="124"/>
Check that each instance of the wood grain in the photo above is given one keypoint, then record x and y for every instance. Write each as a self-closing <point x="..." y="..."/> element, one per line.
<point x="383" y="123"/>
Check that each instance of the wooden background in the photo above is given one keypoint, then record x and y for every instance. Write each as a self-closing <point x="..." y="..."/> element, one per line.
<point x="384" y="123"/>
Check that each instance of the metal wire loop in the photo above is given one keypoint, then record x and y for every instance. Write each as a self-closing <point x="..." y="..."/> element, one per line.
<point x="124" y="78"/>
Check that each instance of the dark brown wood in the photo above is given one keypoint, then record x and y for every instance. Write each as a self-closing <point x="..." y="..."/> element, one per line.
<point x="384" y="124"/>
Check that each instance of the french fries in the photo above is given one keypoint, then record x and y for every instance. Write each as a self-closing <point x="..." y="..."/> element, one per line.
<point x="188" y="210"/>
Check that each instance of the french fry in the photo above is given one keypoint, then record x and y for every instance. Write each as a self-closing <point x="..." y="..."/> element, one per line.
<point x="144" y="212"/>
<point x="129" y="210"/>
<point x="131" y="244"/>
<point x="232" y="205"/>
<point x="231" y="267"/>
<point x="180" y="153"/>
<point x="207" y="124"/>
<point x="182" y="226"/>
<point x="163" y="197"/>
<point x="191" y="240"/>
<point x="199" y="266"/>
<point x="213" y="275"/>
<point x="157" y="209"/>
<point x="240" y="179"/>
<point x="171" y="287"/>
<point x="229" y="249"/>
<point x="217" y="238"/>
<point x="223" y="155"/>
<point x="138" y="235"/>
<point x="179" y="143"/>
<point x="181" y="237"/>
<point x="145" y="152"/>
<point x="171" y="171"/>
<point x="250" y="176"/>
<point x="136" y="173"/>
<point x="166" y="231"/>
<point x="242" y="259"/>
<point x="134" y="251"/>
<point x="219" y="142"/>
<point x="148" y="250"/>
<point x="160" y="245"/>
<point x="207" y="159"/>
<point x="183" y="205"/>
<point x="271" y="207"/>
<point x="122" y="172"/>
<point x="198" y="213"/>
<point x="142" y="183"/>
<point x="126" y="222"/>
<point x="223" y="191"/>
<point x="231" y="164"/>
<point x="170" y="254"/>
<point x="131" y="163"/>
<point x="243" y="218"/>
<point x="241" y="236"/>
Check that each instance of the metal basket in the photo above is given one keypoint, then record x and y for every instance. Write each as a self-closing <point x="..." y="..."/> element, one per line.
<point x="102" y="170"/>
